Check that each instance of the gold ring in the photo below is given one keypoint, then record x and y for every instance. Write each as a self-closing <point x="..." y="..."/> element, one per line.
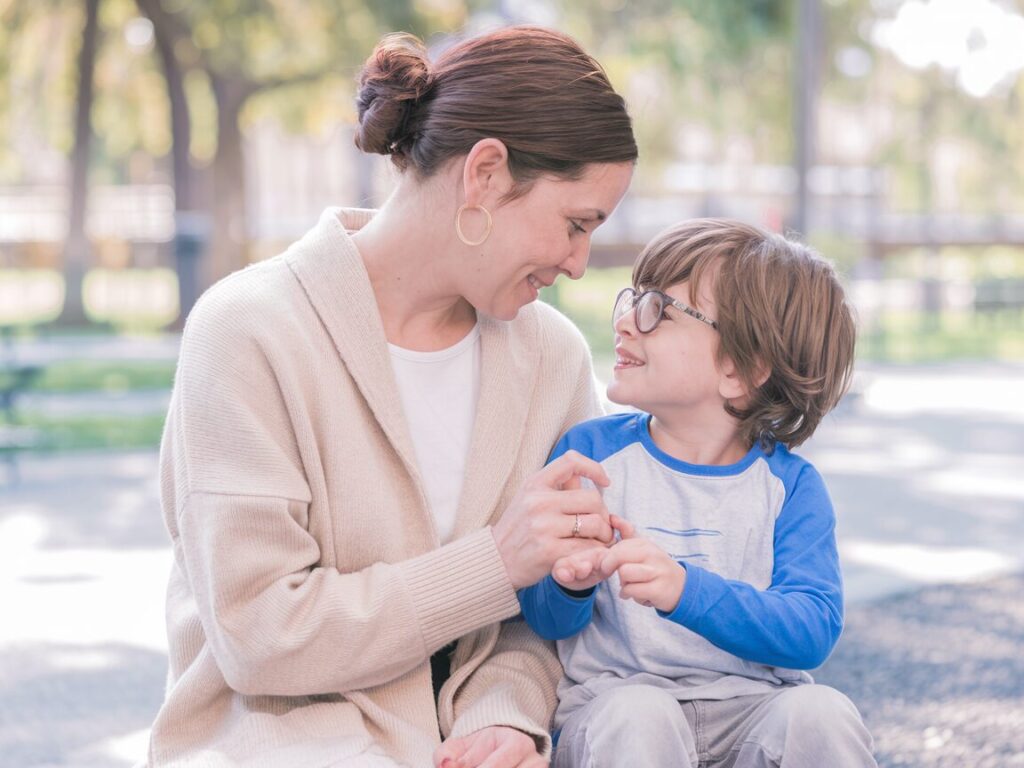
<point x="576" y="526"/>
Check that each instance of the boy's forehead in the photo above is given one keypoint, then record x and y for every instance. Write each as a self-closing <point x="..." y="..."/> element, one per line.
<point x="688" y="292"/>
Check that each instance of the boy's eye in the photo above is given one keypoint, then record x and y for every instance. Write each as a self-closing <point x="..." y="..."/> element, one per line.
<point x="576" y="226"/>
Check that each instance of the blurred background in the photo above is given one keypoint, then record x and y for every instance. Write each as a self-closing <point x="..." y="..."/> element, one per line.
<point x="150" y="147"/>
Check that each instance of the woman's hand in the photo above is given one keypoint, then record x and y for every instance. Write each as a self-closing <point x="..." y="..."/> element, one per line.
<point x="540" y="524"/>
<point x="648" y="575"/>
<point x="495" y="747"/>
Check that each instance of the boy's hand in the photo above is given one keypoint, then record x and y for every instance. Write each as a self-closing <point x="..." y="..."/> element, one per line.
<point x="648" y="575"/>
<point x="581" y="570"/>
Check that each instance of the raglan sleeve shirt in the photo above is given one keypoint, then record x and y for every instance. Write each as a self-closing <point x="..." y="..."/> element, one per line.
<point x="794" y="623"/>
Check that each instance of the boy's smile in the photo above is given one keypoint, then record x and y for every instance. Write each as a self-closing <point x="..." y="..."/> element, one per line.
<point x="624" y="359"/>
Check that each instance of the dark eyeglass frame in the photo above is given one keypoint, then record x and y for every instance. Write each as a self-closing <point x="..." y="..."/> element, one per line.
<point x="666" y="301"/>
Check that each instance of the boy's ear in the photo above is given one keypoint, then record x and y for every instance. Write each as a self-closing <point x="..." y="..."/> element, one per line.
<point x="486" y="177"/>
<point x="731" y="385"/>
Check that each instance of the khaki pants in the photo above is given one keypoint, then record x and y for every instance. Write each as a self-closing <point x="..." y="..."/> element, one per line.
<point x="805" y="726"/>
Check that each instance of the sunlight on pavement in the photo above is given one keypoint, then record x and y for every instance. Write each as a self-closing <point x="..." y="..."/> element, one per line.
<point x="881" y="457"/>
<point x="926" y="468"/>
<point x="127" y="747"/>
<point x="114" y="752"/>
<point x="990" y="392"/>
<point x="91" y="596"/>
<point x="989" y="475"/>
<point x="928" y="564"/>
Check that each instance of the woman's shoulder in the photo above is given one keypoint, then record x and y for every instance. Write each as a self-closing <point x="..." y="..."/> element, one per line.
<point x="240" y="305"/>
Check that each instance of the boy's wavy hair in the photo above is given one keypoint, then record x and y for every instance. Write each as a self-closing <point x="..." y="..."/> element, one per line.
<point x="780" y="310"/>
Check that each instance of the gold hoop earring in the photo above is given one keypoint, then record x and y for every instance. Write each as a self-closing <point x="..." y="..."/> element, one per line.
<point x="458" y="224"/>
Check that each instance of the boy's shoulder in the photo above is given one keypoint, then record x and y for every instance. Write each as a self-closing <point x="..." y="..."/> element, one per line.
<point x="604" y="436"/>
<point x="791" y="468"/>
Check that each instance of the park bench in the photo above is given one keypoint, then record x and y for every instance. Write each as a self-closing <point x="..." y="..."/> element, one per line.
<point x="15" y="379"/>
<point x="996" y="295"/>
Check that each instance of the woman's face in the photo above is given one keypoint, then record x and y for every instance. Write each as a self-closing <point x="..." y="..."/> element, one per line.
<point x="539" y="236"/>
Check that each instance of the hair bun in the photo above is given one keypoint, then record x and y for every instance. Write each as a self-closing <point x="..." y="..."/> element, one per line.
<point x="393" y="80"/>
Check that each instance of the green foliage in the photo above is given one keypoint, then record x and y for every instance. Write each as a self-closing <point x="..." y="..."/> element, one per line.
<point x="915" y="337"/>
<point x="919" y="114"/>
<point x="39" y="42"/>
<point x="130" y="113"/>
<point x="692" y="64"/>
<point x="73" y="376"/>
<point x="588" y="303"/>
<point x="47" y="433"/>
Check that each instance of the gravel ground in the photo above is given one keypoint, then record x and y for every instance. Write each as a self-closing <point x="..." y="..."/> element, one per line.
<point x="938" y="674"/>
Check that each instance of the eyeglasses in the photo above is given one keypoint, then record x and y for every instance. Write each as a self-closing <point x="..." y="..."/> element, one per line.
<point x="650" y="309"/>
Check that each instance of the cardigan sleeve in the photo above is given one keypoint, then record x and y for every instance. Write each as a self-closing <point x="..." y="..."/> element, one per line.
<point x="515" y="687"/>
<point x="277" y="621"/>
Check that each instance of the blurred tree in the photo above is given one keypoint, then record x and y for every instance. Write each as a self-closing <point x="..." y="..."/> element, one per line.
<point x="914" y="115"/>
<point x="701" y="78"/>
<point x="76" y="246"/>
<point x="246" y="48"/>
<point x="707" y="83"/>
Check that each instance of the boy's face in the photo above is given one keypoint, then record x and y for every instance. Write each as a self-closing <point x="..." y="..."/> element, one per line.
<point x="672" y="370"/>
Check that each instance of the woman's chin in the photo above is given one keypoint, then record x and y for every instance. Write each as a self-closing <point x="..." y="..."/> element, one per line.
<point x="510" y="310"/>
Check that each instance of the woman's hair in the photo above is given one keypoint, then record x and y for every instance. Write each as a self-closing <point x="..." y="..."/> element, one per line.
<point x="533" y="89"/>
<point x="780" y="310"/>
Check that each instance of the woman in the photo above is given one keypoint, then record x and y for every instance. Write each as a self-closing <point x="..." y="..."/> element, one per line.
<point x="350" y="465"/>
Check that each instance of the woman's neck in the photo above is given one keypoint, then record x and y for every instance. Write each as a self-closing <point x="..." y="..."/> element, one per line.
<point x="408" y="257"/>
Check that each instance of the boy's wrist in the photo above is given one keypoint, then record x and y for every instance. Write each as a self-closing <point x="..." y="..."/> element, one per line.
<point x="688" y="598"/>
<point x="674" y="593"/>
<point x="674" y="586"/>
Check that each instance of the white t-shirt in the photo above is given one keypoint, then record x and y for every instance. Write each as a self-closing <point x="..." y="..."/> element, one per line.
<point x="439" y="392"/>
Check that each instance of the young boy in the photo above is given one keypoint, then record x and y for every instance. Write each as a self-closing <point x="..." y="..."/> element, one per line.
<point x="684" y="643"/>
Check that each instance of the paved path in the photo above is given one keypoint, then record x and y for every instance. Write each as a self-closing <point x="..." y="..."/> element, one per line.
<point x="43" y="350"/>
<point x="938" y="674"/>
<point x="925" y="465"/>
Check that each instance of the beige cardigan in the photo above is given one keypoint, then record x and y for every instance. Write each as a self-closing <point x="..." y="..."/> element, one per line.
<point x="309" y="587"/>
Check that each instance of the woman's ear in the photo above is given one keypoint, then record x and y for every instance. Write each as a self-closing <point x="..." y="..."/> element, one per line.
<point x="486" y="177"/>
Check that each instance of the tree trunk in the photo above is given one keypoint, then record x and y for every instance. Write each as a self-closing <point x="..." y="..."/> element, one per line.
<point x="76" y="247"/>
<point x="191" y="230"/>
<point x="228" y="246"/>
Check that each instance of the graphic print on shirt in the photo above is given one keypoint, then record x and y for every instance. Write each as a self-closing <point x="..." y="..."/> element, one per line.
<point x="686" y="534"/>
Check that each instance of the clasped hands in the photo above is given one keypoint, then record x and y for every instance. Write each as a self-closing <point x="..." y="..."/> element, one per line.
<point x="554" y="525"/>
<point x="646" y="572"/>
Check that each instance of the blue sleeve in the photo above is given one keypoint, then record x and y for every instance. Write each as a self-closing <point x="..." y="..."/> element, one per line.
<point x="552" y="612"/>
<point x="549" y="610"/>
<point x="563" y="445"/>
<point x="796" y="622"/>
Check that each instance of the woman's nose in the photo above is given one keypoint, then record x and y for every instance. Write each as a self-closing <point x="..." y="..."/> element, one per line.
<point x="575" y="264"/>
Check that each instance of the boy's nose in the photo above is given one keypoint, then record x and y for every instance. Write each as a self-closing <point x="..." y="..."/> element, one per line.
<point x="626" y="324"/>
